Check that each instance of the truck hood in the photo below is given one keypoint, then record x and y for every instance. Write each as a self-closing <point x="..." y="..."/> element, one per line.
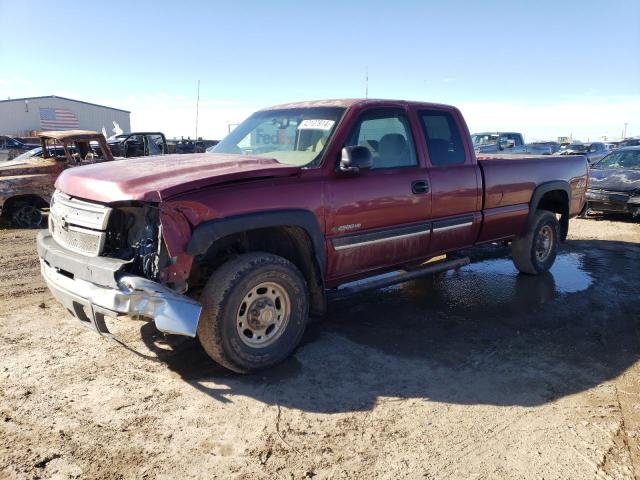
<point x="157" y="178"/>
<point x="30" y="166"/>
<point x="615" y="180"/>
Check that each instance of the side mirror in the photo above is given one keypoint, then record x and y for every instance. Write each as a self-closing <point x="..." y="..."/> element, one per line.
<point x="356" y="158"/>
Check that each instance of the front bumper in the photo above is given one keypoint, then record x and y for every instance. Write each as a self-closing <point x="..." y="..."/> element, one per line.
<point x="615" y="202"/>
<point x="120" y="293"/>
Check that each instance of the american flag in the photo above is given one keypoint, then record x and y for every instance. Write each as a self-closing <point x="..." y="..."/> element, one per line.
<point x="58" y="119"/>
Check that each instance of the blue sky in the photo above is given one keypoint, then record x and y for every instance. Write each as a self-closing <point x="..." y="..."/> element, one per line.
<point x="547" y="68"/>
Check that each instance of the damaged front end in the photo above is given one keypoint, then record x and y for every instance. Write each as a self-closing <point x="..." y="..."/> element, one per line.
<point x="110" y="260"/>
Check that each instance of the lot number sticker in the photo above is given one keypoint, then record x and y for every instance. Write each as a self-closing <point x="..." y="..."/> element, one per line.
<point x="316" y="124"/>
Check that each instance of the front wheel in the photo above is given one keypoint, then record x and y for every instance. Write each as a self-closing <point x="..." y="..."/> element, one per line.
<point x="26" y="215"/>
<point x="536" y="250"/>
<point x="255" y="309"/>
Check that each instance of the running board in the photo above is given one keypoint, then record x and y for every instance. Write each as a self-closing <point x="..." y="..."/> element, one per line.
<point x="429" y="269"/>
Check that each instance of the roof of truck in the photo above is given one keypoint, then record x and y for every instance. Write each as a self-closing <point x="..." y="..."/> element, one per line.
<point x="348" y="102"/>
<point x="69" y="134"/>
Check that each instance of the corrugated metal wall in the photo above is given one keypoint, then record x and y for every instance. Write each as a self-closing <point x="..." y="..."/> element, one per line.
<point x="16" y="118"/>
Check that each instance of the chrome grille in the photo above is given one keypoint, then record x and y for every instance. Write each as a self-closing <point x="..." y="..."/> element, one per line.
<point x="77" y="225"/>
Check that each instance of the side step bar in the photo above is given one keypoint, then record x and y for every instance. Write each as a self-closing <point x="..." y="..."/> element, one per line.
<point x="429" y="269"/>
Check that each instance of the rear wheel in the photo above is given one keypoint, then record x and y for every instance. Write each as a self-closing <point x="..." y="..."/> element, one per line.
<point x="535" y="251"/>
<point x="255" y="309"/>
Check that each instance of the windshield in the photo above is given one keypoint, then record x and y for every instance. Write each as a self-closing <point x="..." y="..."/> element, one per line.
<point x="629" y="159"/>
<point x="484" y="139"/>
<point x="295" y="136"/>
<point x="31" y="153"/>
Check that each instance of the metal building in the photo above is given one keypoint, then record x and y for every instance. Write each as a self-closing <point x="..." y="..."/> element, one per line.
<point x="25" y="116"/>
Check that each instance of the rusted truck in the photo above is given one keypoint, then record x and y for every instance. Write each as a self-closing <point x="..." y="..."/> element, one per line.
<point x="238" y="247"/>
<point x="26" y="184"/>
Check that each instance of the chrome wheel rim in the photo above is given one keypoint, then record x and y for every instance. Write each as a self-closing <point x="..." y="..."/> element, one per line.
<point x="263" y="315"/>
<point x="544" y="243"/>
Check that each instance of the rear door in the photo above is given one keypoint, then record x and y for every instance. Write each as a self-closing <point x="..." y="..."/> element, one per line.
<point x="379" y="217"/>
<point x="456" y="184"/>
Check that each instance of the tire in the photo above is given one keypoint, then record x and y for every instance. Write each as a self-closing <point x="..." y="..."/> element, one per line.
<point x="529" y="253"/>
<point x="26" y="215"/>
<point x="585" y="211"/>
<point x="244" y="328"/>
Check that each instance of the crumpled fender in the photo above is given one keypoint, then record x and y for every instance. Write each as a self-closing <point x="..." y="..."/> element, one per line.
<point x="177" y="220"/>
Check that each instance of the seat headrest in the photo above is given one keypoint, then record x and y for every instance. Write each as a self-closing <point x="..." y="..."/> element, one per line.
<point x="392" y="144"/>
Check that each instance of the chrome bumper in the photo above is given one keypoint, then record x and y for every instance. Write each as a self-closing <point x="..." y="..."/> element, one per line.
<point x="89" y="302"/>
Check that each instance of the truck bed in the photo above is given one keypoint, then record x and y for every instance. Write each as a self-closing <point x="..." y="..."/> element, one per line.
<point x="510" y="181"/>
<point x="500" y="171"/>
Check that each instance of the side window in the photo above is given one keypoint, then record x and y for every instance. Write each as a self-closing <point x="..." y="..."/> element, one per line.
<point x="388" y="137"/>
<point x="155" y="145"/>
<point x="444" y="142"/>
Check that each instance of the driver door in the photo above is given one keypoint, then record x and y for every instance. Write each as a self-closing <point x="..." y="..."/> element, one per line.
<point x="379" y="217"/>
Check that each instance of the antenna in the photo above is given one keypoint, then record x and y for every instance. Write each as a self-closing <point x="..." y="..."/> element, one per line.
<point x="197" y="107"/>
<point x="366" y="82"/>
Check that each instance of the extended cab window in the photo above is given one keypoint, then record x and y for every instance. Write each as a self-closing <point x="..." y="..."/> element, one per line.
<point x="388" y="137"/>
<point x="444" y="142"/>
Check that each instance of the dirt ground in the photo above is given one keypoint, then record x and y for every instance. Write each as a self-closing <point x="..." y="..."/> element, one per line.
<point x="477" y="374"/>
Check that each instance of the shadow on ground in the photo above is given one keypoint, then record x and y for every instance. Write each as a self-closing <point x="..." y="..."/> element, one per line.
<point x="480" y="335"/>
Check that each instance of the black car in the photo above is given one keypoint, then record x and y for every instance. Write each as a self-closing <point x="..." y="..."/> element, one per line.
<point x="138" y="144"/>
<point x="614" y="184"/>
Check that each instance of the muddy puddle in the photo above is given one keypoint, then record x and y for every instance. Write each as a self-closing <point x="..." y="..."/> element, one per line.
<point x="494" y="285"/>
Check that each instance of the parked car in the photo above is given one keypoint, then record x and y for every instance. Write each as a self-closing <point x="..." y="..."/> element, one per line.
<point x="543" y="148"/>
<point x="593" y="151"/>
<point x="138" y="144"/>
<point x="11" y="147"/>
<point x="237" y="247"/>
<point x="186" y="145"/>
<point x="498" y="142"/>
<point x="27" y="183"/>
<point x="614" y="184"/>
<point x="629" y="142"/>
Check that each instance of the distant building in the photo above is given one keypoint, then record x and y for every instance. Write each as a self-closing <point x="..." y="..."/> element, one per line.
<point x="26" y="116"/>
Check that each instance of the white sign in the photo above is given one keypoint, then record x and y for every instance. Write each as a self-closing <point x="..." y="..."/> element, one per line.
<point x="316" y="124"/>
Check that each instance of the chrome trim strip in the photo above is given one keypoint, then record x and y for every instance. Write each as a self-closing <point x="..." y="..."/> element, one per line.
<point x="451" y="227"/>
<point x="380" y="240"/>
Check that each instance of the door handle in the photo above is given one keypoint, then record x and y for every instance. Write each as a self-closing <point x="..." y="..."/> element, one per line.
<point x="420" y="186"/>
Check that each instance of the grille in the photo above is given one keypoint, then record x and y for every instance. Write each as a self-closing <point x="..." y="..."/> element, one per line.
<point x="78" y="225"/>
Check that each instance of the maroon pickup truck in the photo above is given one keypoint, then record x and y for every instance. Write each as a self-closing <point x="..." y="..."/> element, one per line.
<point x="240" y="246"/>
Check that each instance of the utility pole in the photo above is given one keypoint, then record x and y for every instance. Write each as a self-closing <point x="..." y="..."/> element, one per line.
<point x="624" y="135"/>
<point x="197" y="108"/>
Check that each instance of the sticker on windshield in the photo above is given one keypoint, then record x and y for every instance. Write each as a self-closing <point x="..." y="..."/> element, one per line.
<point x="316" y="124"/>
